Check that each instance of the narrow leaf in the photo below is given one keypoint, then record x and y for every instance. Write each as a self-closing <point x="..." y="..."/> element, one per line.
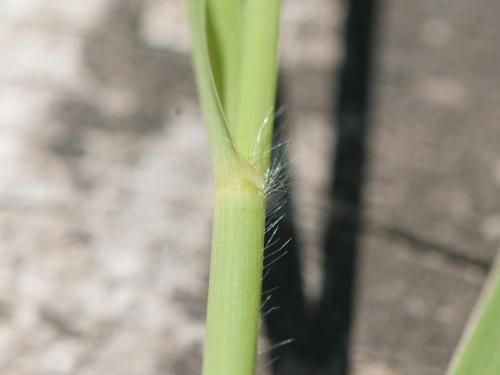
<point x="221" y="145"/>
<point x="223" y="33"/>
<point x="479" y="350"/>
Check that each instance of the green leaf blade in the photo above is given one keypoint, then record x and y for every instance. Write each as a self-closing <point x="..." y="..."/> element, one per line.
<point x="479" y="350"/>
<point x="223" y="33"/>
<point x="220" y="142"/>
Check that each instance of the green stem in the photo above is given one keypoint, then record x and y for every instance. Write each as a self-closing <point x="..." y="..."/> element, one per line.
<point x="237" y="83"/>
<point x="235" y="276"/>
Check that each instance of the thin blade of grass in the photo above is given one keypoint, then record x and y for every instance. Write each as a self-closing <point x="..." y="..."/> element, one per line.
<point x="479" y="349"/>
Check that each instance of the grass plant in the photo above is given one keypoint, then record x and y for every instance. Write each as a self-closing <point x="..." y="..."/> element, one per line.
<point x="479" y="350"/>
<point x="235" y="62"/>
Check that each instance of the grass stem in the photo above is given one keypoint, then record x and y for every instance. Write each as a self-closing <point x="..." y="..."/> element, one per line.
<point x="234" y="59"/>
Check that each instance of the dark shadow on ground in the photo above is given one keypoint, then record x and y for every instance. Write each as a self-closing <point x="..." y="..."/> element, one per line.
<point x="322" y="330"/>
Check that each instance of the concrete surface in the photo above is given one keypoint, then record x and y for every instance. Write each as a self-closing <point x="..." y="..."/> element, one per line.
<point x="105" y="187"/>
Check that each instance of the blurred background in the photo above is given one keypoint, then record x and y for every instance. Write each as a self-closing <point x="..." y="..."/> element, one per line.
<point x="106" y="196"/>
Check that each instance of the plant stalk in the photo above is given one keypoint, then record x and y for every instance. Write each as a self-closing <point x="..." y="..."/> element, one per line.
<point x="235" y="276"/>
<point x="235" y="63"/>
